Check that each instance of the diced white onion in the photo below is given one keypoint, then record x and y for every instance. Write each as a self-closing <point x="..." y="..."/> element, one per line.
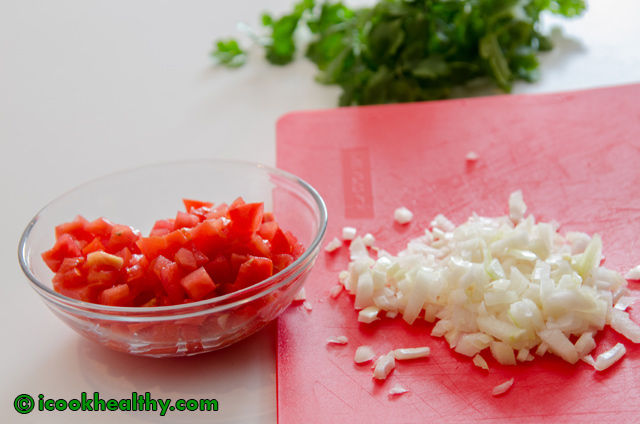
<point x="301" y="295"/>
<point x="479" y="361"/>
<point x="402" y="215"/>
<point x="507" y="284"/>
<point x="364" y="354"/>
<point x="624" y="302"/>
<point x="384" y="366"/>
<point x="307" y="305"/>
<point x="333" y="245"/>
<point x="501" y="388"/>
<point x="338" y="340"/>
<point x="610" y="357"/>
<point x="397" y="390"/>
<point x="633" y="273"/>
<point x="336" y="290"/>
<point x="368" y="239"/>
<point x="472" y="156"/>
<point x="411" y="353"/>
<point x="348" y="233"/>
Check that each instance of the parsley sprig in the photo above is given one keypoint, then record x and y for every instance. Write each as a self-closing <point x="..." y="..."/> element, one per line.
<point x="411" y="50"/>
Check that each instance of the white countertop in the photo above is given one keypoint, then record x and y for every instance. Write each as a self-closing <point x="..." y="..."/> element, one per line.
<point x="91" y="87"/>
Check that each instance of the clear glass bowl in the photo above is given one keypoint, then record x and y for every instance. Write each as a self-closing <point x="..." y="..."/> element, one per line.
<point x="140" y="196"/>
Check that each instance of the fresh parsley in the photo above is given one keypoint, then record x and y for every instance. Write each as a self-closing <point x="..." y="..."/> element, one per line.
<point x="410" y="50"/>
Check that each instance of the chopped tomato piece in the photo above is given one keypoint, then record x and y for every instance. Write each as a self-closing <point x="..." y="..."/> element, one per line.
<point x="252" y="271"/>
<point x="186" y="259"/>
<point x="122" y="236"/>
<point x="100" y="228"/>
<point x="169" y="274"/>
<point x="75" y="229"/>
<point x="209" y="236"/>
<point x="281" y="261"/>
<point x="245" y="219"/>
<point x="94" y="246"/>
<point x="152" y="246"/>
<point x="190" y="204"/>
<point x="220" y="270"/>
<point x="198" y="284"/>
<point x="185" y="220"/>
<point x="217" y="212"/>
<point x="65" y="247"/>
<point x="115" y="296"/>
<point x="162" y="227"/>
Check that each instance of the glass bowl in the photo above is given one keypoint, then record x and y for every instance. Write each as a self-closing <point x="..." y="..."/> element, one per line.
<point x="138" y="197"/>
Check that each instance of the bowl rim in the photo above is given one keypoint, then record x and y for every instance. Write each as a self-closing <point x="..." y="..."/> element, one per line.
<point x="207" y="306"/>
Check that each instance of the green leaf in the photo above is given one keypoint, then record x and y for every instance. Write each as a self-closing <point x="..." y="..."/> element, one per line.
<point x="431" y="68"/>
<point x="229" y="53"/>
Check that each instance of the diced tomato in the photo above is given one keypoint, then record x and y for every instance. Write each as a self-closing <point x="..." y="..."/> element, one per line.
<point x="186" y="259"/>
<point x="102" y="262"/>
<point x="198" y="284"/>
<point x="94" y="246"/>
<point x="122" y="236"/>
<point x="169" y="274"/>
<point x="162" y="227"/>
<point x="209" y="236"/>
<point x="190" y="204"/>
<point x="191" y="336"/>
<point x="69" y="274"/>
<point x="152" y="246"/>
<point x="217" y="212"/>
<point x="185" y="220"/>
<point x="115" y="296"/>
<point x="252" y="271"/>
<point x="219" y="270"/>
<point x="65" y="247"/>
<point x="75" y="229"/>
<point x="100" y="228"/>
<point x="268" y="217"/>
<point x="245" y="219"/>
<point x="281" y="261"/>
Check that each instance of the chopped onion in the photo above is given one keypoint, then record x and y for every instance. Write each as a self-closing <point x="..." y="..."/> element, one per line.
<point x="384" y="366"/>
<point x="338" y="340"/>
<point x="472" y="156"/>
<point x="307" y="305"/>
<point x="624" y="302"/>
<point x="508" y="284"/>
<point x="479" y="361"/>
<point x="589" y="360"/>
<point x="397" y="390"/>
<point x="364" y="354"/>
<point x="610" y="357"/>
<point x="368" y="239"/>
<point x="336" y="290"/>
<point x="411" y="353"/>
<point x="300" y="296"/>
<point x="333" y="245"/>
<point x="633" y="274"/>
<point x="501" y="388"/>
<point x="403" y="215"/>
<point x="348" y="233"/>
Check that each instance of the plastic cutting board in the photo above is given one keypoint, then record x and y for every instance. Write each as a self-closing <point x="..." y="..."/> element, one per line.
<point x="575" y="156"/>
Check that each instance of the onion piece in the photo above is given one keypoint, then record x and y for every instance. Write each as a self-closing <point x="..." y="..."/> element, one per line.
<point x="403" y="215"/>
<point x="610" y="357"/>
<point x="364" y="354"/>
<point x="348" y="233"/>
<point x="368" y="239"/>
<point x="300" y="296"/>
<point x="336" y="290"/>
<point x="307" y="305"/>
<point x="384" y="366"/>
<point x="472" y="156"/>
<point x="338" y="340"/>
<point x="622" y="324"/>
<point x="633" y="273"/>
<point x="369" y="314"/>
<point x="411" y="353"/>
<point x="333" y="245"/>
<point x="397" y="390"/>
<point x="502" y="388"/>
<point x="479" y="361"/>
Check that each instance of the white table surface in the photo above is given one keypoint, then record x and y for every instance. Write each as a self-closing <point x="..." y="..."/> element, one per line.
<point x="90" y="87"/>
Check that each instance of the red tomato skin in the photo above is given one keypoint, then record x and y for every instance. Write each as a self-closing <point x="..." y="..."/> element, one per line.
<point x="100" y="228"/>
<point x="95" y="246"/>
<point x="219" y="270"/>
<point x="65" y="247"/>
<point x="209" y="236"/>
<point x="75" y="229"/>
<point x="115" y="296"/>
<point x="198" y="284"/>
<point x="217" y="212"/>
<point x="122" y="236"/>
<point x="190" y="204"/>
<point x="169" y="275"/>
<point x="186" y="259"/>
<point x="245" y="219"/>
<point x="252" y="271"/>
<point x="161" y="227"/>
<point x="185" y="220"/>
<point x="152" y="246"/>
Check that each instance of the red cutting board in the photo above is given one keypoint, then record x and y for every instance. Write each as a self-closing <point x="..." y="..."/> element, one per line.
<point x="575" y="156"/>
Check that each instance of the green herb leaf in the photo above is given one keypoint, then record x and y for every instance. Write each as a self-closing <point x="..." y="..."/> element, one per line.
<point x="229" y="53"/>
